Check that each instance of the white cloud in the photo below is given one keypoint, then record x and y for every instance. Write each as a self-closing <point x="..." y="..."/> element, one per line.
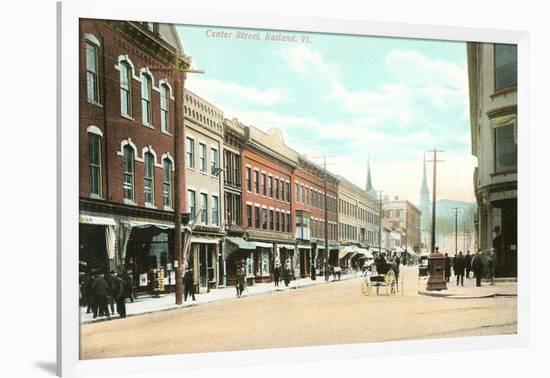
<point x="215" y="89"/>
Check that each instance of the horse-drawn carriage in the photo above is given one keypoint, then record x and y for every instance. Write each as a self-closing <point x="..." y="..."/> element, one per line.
<point x="380" y="274"/>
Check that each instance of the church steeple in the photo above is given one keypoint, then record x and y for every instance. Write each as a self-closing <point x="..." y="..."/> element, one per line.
<point x="425" y="204"/>
<point x="424" y="182"/>
<point x="368" y="186"/>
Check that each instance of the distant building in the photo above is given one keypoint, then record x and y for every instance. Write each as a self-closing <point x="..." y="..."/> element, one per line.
<point x="309" y="209"/>
<point x="403" y="216"/>
<point x="492" y="74"/>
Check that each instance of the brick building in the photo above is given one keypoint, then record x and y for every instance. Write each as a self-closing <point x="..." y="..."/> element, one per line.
<point x="405" y="218"/>
<point x="128" y="97"/>
<point x="267" y="167"/>
<point x="309" y="209"/>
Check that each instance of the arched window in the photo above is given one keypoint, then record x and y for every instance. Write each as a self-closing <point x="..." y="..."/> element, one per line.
<point x="92" y="84"/>
<point x="95" y="164"/>
<point x="125" y="89"/>
<point x="164" y="107"/>
<point x="149" y="178"/>
<point x="128" y="172"/>
<point x="167" y="182"/>
<point x="146" y="87"/>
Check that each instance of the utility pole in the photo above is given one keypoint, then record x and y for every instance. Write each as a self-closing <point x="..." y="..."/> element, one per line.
<point x="435" y="161"/>
<point x="326" y="217"/>
<point x="380" y="225"/>
<point x="456" y="209"/>
<point x="464" y="234"/>
<point x="179" y="130"/>
<point x="436" y="280"/>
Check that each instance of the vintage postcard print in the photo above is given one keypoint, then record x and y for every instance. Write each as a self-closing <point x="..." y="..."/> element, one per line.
<point x="247" y="189"/>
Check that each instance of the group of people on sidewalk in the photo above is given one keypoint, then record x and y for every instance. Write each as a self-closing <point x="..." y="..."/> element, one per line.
<point x="464" y="264"/>
<point x="100" y="293"/>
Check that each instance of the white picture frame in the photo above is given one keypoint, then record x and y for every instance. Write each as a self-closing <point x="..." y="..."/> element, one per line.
<point x="69" y="13"/>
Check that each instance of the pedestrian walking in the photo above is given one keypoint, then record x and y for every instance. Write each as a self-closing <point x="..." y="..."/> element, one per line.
<point x="286" y="273"/>
<point x="188" y="285"/>
<point x="396" y="267"/>
<point x="87" y="293"/>
<point x="447" y="267"/>
<point x="468" y="260"/>
<point x="313" y="273"/>
<point x="491" y="264"/>
<point x="477" y="268"/>
<point x="459" y="266"/>
<point x="117" y="290"/>
<point x="241" y="279"/>
<point x="277" y="274"/>
<point x="128" y="285"/>
<point x="101" y="295"/>
<point x="111" y="299"/>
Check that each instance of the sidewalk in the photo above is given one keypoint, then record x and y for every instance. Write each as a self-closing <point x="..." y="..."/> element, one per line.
<point x="502" y="288"/>
<point x="148" y="304"/>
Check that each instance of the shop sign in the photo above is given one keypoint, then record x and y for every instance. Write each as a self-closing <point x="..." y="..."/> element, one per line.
<point x="143" y="279"/>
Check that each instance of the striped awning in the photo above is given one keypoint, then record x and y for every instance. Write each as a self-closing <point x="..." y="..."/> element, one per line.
<point x="100" y="221"/>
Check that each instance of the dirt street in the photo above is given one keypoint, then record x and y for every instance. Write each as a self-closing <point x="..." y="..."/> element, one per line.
<point x="336" y="313"/>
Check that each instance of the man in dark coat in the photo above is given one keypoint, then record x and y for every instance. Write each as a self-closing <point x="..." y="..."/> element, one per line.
<point x="117" y="289"/>
<point x="101" y="294"/>
<point x="396" y="267"/>
<point x="277" y="274"/>
<point x="468" y="260"/>
<point x="188" y="285"/>
<point x="477" y="267"/>
<point x="459" y="266"/>
<point x="447" y="267"/>
<point x="111" y="299"/>
<point x="128" y="285"/>
<point x="287" y="273"/>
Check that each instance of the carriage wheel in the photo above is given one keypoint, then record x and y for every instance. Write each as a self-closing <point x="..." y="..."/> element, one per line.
<point x="391" y="283"/>
<point x="366" y="286"/>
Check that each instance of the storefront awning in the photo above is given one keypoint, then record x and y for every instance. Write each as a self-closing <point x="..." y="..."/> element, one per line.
<point x="100" y="221"/>
<point x="139" y="224"/>
<point x="289" y="246"/>
<point x="203" y="240"/>
<point x="240" y="243"/>
<point x="346" y="251"/>
<point x="262" y="245"/>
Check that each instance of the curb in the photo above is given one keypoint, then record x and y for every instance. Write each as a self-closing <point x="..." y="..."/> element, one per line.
<point x="458" y="296"/>
<point x="181" y="307"/>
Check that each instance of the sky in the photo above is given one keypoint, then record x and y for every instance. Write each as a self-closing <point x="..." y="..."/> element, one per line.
<point x="352" y="98"/>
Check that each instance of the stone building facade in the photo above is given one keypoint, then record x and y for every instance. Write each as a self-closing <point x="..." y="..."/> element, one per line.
<point x="492" y="75"/>
<point x="204" y="189"/>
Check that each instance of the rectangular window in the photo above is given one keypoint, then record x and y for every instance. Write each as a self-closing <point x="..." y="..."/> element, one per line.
<point x="264" y="219"/>
<point x="202" y="157"/>
<point x="282" y="197"/>
<point x="506" y="149"/>
<point x="167" y="183"/>
<point x="164" y="104"/>
<point x="506" y="66"/>
<point x="248" y="179"/>
<point x="277" y="221"/>
<point x="125" y="89"/>
<point x="191" y="204"/>
<point x="214" y="161"/>
<point x="128" y="173"/>
<point x="215" y="211"/>
<point x="283" y="229"/>
<point x="270" y="186"/>
<point x="91" y="73"/>
<point x="249" y="215"/>
<point x="95" y="164"/>
<point x="190" y="153"/>
<point x="276" y="188"/>
<point x="297" y="194"/>
<point x="256" y="182"/>
<point x="271" y="220"/>
<point x="148" y="179"/>
<point x="146" y="85"/>
<point x="263" y="184"/>
<point x="288" y="192"/>
<point x="204" y="208"/>
<point x="257" y="217"/>
<point x="288" y="223"/>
